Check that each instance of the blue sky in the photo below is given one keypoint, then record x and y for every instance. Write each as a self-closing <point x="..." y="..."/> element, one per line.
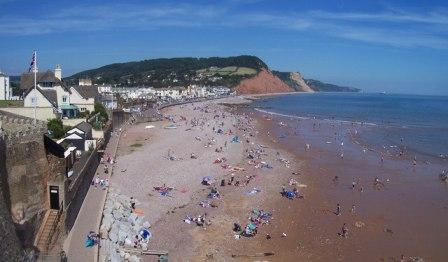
<point x="396" y="46"/>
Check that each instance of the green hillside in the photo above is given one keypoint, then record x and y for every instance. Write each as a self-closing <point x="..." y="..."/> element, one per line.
<point x="163" y="72"/>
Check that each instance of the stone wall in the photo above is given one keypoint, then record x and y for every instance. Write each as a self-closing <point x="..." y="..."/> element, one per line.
<point x="10" y="247"/>
<point x="25" y="172"/>
<point x="42" y="113"/>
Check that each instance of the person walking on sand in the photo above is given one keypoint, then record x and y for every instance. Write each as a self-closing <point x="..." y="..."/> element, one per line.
<point x="97" y="180"/>
<point x="344" y="231"/>
<point x="353" y="209"/>
<point x="338" y="209"/>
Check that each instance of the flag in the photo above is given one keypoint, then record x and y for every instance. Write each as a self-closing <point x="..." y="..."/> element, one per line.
<point x="33" y="62"/>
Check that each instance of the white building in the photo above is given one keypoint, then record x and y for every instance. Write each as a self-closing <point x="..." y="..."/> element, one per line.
<point x="135" y="92"/>
<point x="5" y="88"/>
<point x="109" y="101"/>
<point x="104" y="89"/>
<point x="220" y="90"/>
<point x="84" y="97"/>
<point x="85" y="82"/>
<point x="50" y="92"/>
<point x="171" y="92"/>
<point x="195" y="91"/>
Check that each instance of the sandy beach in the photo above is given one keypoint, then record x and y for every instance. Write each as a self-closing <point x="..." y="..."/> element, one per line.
<point x="143" y="163"/>
<point x="270" y="154"/>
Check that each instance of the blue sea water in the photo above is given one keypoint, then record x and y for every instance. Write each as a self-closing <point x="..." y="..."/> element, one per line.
<point x="420" y="121"/>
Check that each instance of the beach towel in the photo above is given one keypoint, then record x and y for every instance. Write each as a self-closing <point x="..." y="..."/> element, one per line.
<point x="138" y="212"/>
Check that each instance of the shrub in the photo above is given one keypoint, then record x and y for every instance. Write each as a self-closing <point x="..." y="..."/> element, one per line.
<point x="99" y="108"/>
<point x="55" y="128"/>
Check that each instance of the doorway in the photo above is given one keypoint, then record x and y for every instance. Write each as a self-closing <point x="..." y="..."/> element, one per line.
<point x="54" y="197"/>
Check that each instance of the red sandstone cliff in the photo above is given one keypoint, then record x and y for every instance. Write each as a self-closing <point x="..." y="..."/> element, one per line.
<point x="263" y="83"/>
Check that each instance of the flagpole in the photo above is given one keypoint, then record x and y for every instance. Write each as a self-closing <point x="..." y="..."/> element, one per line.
<point x="35" y="88"/>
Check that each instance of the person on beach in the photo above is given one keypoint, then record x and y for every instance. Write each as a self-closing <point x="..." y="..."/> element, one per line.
<point x="132" y="203"/>
<point x="353" y="184"/>
<point x="338" y="210"/>
<point x="97" y="180"/>
<point x="353" y="209"/>
<point x="344" y="231"/>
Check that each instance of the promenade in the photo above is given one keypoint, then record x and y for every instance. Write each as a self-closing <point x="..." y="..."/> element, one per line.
<point x="89" y="217"/>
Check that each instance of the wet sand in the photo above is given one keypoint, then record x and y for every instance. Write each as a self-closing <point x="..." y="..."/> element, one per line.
<point x="407" y="216"/>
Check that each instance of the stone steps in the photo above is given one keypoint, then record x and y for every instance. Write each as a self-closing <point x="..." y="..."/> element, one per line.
<point x="47" y="230"/>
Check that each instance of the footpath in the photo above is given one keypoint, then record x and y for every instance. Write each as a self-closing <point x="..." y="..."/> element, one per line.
<point x="90" y="214"/>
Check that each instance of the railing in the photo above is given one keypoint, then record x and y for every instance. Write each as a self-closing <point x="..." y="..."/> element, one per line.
<point x="53" y="228"/>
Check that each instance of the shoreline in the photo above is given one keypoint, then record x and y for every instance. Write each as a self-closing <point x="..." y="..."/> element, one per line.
<point x="405" y="216"/>
<point x="309" y="223"/>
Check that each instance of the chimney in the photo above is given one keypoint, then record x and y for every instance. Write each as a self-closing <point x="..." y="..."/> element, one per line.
<point x="58" y="72"/>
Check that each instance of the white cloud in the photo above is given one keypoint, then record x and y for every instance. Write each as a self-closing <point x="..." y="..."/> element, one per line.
<point x="396" y="28"/>
<point x="397" y="16"/>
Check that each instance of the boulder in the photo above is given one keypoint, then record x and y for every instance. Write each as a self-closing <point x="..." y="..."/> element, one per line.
<point x="134" y="258"/>
<point x="128" y="242"/>
<point x="113" y="234"/>
<point x="117" y="205"/>
<point x="117" y="214"/>
<point x="103" y="232"/>
<point x="107" y="222"/>
<point x="123" y="233"/>
<point x="133" y="218"/>
<point x="146" y="225"/>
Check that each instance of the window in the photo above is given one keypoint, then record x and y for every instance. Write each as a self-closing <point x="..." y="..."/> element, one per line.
<point x="46" y="84"/>
<point x="83" y="109"/>
<point x="64" y="99"/>
<point x="34" y="101"/>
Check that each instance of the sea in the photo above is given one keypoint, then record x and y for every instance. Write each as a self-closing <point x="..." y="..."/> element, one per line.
<point x="415" y="123"/>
